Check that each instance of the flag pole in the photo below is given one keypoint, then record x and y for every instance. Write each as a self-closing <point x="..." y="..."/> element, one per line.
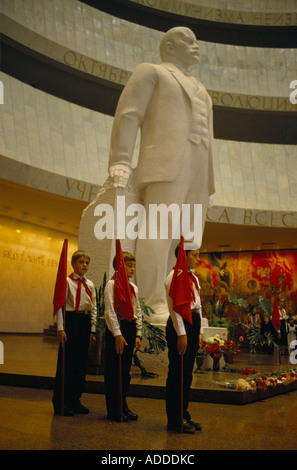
<point x="63" y="366"/>
<point x="181" y="383"/>
<point x="120" y="387"/>
<point x="59" y="302"/>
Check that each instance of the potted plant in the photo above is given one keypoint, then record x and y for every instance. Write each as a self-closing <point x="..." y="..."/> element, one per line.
<point x="217" y="313"/>
<point x="155" y="339"/>
<point x="267" y="340"/>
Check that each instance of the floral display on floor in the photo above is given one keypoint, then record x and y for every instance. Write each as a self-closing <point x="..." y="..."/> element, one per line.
<point x="260" y="381"/>
<point x="257" y="383"/>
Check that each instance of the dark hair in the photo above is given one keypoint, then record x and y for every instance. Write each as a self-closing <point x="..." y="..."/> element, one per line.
<point x="178" y="246"/>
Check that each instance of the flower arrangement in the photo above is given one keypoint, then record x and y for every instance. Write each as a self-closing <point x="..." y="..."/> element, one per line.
<point x="202" y="350"/>
<point x="263" y="382"/>
<point x="247" y="371"/>
<point x="230" y="349"/>
<point x="242" y="385"/>
<point x="215" y="347"/>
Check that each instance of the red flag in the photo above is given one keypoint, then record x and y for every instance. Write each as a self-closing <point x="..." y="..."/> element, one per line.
<point x="122" y="294"/>
<point x="61" y="281"/>
<point x="180" y="289"/>
<point x="275" y="318"/>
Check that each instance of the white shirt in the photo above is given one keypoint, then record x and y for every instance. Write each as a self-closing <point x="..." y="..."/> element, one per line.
<point x="86" y="304"/>
<point x="111" y="318"/>
<point x="282" y="315"/>
<point x="177" y="319"/>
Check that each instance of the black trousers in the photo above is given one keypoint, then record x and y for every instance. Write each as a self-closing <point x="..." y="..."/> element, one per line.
<point x="78" y="330"/>
<point x="173" y="378"/>
<point x="284" y="337"/>
<point x="111" y="368"/>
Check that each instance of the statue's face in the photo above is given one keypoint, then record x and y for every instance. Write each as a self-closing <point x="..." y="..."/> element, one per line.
<point x="185" y="48"/>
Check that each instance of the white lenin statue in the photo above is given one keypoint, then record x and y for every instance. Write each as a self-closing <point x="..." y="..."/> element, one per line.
<point x="174" y="113"/>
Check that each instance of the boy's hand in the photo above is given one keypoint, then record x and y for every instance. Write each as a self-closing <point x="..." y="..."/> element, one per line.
<point x="120" y="343"/>
<point x="62" y="338"/>
<point x="92" y="337"/>
<point x="137" y="343"/>
<point x="182" y="343"/>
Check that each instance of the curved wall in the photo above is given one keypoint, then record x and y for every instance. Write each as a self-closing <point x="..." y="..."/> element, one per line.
<point x="122" y="44"/>
<point x="64" y="65"/>
<point x="59" y="137"/>
<point x="69" y="140"/>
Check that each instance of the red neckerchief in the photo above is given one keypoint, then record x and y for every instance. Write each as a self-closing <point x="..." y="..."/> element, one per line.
<point x="195" y="282"/>
<point x="80" y="281"/>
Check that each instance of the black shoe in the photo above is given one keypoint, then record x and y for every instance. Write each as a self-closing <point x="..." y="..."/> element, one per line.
<point x="187" y="428"/>
<point x="130" y="415"/>
<point x="80" y="409"/>
<point x="195" y="425"/>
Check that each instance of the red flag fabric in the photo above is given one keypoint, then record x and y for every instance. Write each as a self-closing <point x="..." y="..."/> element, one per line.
<point x="180" y="289"/>
<point x="61" y="281"/>
<point x="275" y="318"/>
<point x="122" y="294"/>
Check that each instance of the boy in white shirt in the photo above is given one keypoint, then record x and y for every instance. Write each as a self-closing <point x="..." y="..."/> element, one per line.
<point x="75" y="336"/>
<point x="183" y="338"/>
<point x="121" y="337"/>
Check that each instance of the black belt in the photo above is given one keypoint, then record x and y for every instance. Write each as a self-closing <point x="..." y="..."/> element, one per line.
<point x="195" y="310"/>
<point x="79" y="311"/>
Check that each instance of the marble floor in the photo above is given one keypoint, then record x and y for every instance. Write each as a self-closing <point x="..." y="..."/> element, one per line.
<point x="27" y="421"/>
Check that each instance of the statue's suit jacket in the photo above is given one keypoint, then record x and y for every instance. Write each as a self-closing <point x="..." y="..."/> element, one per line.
<point x="159" y="100"/>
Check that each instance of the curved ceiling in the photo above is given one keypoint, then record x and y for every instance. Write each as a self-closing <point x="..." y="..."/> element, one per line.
<point x="46" y="74"/>
<point x="263" y="35"/>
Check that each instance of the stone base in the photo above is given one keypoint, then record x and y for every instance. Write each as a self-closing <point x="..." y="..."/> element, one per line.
<point x="102" y="251"/>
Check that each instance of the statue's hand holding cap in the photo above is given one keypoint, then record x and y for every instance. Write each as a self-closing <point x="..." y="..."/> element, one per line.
<point x="120" y="174"/>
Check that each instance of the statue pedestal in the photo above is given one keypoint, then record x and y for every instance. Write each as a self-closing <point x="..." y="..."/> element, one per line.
<point x="102" y="251"/>
<point x="110" y="212"/>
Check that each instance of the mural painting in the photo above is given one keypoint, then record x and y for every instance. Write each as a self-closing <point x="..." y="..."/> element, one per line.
<point x="235" y="282"/>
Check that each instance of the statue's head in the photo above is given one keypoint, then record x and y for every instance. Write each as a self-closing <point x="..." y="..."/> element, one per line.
<point x="179" y="45"/>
